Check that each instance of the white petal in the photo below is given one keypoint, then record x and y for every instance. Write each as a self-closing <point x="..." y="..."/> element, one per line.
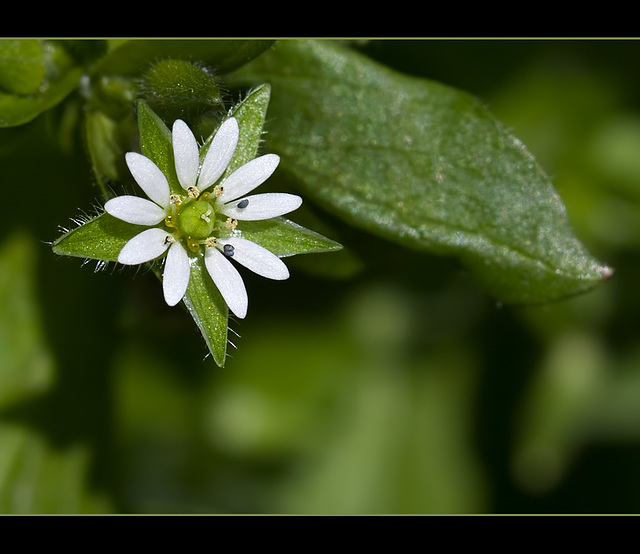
<point x="256" y="258"/>
<point x="249" y="176"/>
<point x="175" y="277"/>
<point x="219" y="154"/>
<point x="228" y="281"/>
<point x="151" y="180"/>
<point x="185" y="153"/>
<point x="262" y="206"/>
<point x="144" y="247"/>
<point x="133" y="209"/>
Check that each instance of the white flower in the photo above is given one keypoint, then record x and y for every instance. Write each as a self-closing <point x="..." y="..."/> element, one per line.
<point x="182" y="226"/>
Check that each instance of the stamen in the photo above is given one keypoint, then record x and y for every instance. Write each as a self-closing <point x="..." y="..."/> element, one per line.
<point x="231" y="224"/>
<point x="168" y="239"/>
<point x="211" y="242"/>
<point x="218" y="190"/>
<point x="193" y="192"/>
<point x="170" y="218"/>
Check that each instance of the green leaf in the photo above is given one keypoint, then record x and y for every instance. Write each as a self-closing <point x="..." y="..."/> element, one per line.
<point x="422" y="164"/>
<point x="34" y="76"/>
<point x="133" y="57"/>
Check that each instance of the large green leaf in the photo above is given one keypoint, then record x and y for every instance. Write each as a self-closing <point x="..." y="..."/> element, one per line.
<point x="422" y="164"/>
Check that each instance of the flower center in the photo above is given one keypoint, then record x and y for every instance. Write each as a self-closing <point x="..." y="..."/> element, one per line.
<point x="196" y="219"/>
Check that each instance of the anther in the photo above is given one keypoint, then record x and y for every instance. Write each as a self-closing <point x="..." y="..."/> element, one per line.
<point x="228" y="250"/>
<point x="168" y="239"/>
<point x="243" y="203"/>
<point x="218" y="190"/>
<point x="211" y="242"/>
<point x="231" y="223"/>
<point x="193" y="192"/>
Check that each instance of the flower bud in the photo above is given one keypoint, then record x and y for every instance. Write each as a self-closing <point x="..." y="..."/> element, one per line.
<point x="180" y="89"/>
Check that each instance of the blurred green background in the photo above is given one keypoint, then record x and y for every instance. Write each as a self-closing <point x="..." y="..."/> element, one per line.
<point x="399" y="388"/>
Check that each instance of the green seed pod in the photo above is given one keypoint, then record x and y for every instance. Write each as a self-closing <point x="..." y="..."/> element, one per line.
<point x="180" y="89"/>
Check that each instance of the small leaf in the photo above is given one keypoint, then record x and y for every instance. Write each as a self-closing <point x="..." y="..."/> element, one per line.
<point x="422" y="164"/>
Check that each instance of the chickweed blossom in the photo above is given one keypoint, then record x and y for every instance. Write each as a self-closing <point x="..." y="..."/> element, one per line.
<point x="204" y="220"/>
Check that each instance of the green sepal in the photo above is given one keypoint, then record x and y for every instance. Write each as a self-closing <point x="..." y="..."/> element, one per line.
<point x="99" y="238"/>
<point x="250" y="114"/>
<point x="155" y="143"/>
<point x="286" y="238"/>
<point x="208" y="309"/>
